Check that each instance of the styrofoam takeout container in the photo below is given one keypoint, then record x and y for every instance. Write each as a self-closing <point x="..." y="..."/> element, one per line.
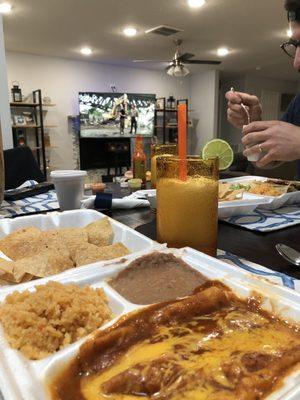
<point x="27" y="380"/>
<point x="133" y="240"/>
<point x="270" y="202"/>
<point x="226" y="209"/>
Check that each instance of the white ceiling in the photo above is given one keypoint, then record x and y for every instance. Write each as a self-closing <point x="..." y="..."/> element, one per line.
<point x="251" y="29"/>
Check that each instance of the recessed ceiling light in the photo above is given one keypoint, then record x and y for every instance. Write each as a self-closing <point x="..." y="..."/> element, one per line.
<point x="87" y="51"/>
<point x="223" y="51"/>
<point x="5" y="8"/>
<point x="196" y="3"/>
<point x="130" y="31"/>
<point x="289" y="33"/>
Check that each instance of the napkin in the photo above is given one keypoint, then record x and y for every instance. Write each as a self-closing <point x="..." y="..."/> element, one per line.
<point x="105" y="201"/>
<point x="26" y="184"/>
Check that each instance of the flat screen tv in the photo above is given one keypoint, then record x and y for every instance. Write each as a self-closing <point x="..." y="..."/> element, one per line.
<point x="116" y="114"/>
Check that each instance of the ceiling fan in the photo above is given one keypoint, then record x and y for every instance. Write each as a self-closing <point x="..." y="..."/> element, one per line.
<point x="177" y="66"/>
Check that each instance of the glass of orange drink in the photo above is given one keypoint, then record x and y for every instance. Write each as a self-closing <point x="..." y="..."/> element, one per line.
<point x="187" y="206"/>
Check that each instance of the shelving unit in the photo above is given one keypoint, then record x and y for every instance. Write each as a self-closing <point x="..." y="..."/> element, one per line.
<point x="38" y="128"/>
<point x="169" y="131"/>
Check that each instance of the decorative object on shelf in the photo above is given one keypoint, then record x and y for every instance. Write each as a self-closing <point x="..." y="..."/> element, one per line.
<point x="46" y="100"/>
<point x="19" y="137"/>
<point x="19" y="120"/>
<point x="16" y="92"/>
<point x="160" y="104"/>
<point x="21" y="140"/>
<point x="171" y="102"/>
<point x="172" y="122"/>
<point x="29" y="117"/>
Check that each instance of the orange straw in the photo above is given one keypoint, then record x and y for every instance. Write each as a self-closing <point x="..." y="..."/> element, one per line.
<point x="182" y="123"/>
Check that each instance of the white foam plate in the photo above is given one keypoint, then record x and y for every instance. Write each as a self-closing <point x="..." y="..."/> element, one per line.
<point x="270" y="202"/>
<point x="24" y="379"/>
<point x="226" y="209"/>
<point x="133" y="240"/>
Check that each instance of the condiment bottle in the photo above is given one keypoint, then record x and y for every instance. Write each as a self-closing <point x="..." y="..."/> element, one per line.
<point x="139" y="160"/>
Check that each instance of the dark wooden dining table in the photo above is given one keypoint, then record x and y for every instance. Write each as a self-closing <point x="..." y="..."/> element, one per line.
<point x="253" y="246"/>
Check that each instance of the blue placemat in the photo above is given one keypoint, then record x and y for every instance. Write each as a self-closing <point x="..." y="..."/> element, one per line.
<point x="267" y="220"/>
<point x="35" y="204"/>
<point x="273" y="276"/>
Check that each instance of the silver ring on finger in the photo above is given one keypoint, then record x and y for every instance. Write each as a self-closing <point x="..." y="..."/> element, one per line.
<point x="261" y="149"/>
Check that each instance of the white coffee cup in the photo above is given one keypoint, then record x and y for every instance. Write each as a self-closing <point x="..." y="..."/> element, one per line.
<point x="69" y="185"/>
<point x="253" y="157"/>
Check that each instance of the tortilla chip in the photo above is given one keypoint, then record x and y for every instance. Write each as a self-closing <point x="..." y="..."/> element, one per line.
<point x="46" y="264"/>
<point x="65" y="240"/>
<point x="6" y="267"/>
<point x="228" y="194"/>
<point x="90" y="253"/>
<point x="100" y="232"/>
<point x="21" y="243"/>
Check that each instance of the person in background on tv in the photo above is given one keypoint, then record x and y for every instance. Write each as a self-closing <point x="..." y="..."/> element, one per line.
<point x="134" y="114"/>
<point x="122" y="120"/>
<point x="276" y="141"/>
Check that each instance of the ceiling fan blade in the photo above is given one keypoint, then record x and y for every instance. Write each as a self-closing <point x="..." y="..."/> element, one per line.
<point x="202" y="62"/>
<point x="151" y="61"/>
<point x="185" y="56"/>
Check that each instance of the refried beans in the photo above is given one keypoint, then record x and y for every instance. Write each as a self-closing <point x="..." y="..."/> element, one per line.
<point x="156" y="277"/>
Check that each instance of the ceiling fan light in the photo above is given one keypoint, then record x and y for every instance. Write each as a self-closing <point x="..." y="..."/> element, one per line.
<point x="177" y="70"/>
<point x="185" y="71"/>
<point x="170" y="71"/>
<point x="180" y="71"/>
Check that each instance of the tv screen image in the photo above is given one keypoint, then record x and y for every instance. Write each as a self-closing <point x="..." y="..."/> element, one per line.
<point x="116" y="114"/>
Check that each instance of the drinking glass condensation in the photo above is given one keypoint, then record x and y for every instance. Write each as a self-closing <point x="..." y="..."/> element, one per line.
<point x="187" y="210"/>
<point x="160" y="150"/>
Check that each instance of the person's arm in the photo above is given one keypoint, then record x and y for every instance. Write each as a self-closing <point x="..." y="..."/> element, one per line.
<point x="236" y="114"/>
<point x="288" y="115"/>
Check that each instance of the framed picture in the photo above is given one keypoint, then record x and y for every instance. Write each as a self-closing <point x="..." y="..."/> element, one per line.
<point x="29" y="117"/>
<point x="19" y="120"/>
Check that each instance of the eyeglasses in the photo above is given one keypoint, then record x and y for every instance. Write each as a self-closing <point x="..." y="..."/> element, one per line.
<point x="290" y="47"/>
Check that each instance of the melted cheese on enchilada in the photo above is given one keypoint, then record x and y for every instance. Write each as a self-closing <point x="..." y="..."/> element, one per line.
<point x="222" y="349"/>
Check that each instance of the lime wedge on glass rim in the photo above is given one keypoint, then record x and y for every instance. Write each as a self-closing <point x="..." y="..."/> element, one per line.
<point x="221" y="149"/>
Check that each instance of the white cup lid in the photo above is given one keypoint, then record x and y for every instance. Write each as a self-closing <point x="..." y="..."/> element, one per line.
<point x="68" y="174"/>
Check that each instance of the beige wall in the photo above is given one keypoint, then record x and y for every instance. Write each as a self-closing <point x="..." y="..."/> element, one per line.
<point x="204" y="99"/>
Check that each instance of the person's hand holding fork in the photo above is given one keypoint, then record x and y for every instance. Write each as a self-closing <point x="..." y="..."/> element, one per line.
<point x="236" y="113"/>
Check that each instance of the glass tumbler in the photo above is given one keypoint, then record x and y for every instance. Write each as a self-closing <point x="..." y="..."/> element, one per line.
<point x="187" y="203"/>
